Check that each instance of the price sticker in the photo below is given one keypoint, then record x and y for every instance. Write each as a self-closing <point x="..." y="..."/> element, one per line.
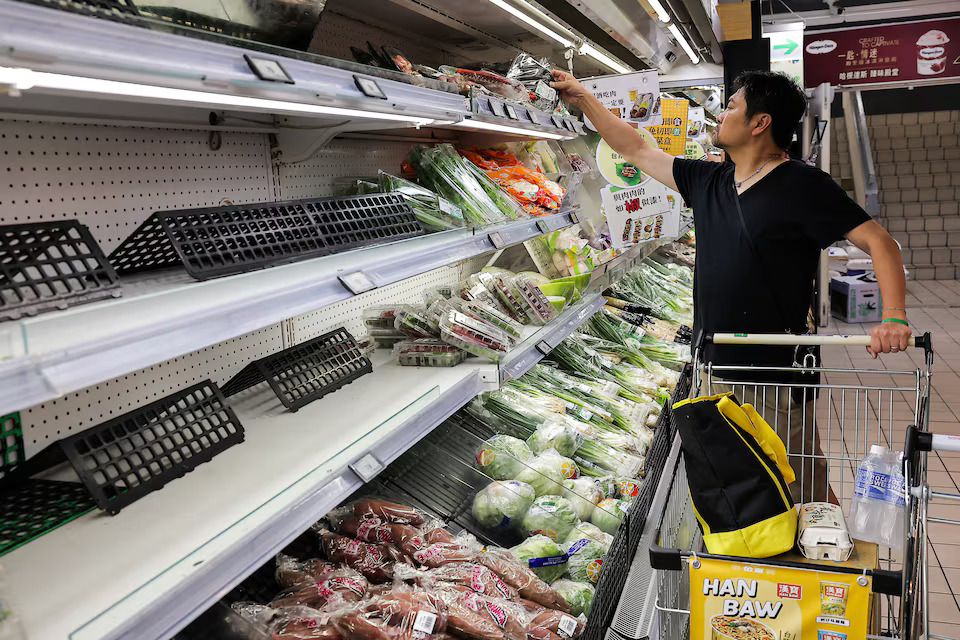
<point x="367" y="467"/>
<point x="567" y="626"/>
<point x="512" y="112"/>
<point x="425" y="622"/>
<point x="357" y="282"/>
<point x="449" y="208"/>
<point x="545" y="91"/>
<point x="574" y="219"/>
<point x="497" y="240"/>
<point x="369" y="87"/>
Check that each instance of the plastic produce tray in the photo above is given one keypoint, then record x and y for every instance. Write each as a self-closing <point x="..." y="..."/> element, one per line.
<point x="220" y="241"/>
<point x="37" y="507"/>
<point x="51" y="265"/>
<point x="307" y="371"/>
<point x="123" y="459"/>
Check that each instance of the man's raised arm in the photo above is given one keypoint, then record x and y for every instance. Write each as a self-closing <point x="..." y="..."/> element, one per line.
<point x="623" y="138"/>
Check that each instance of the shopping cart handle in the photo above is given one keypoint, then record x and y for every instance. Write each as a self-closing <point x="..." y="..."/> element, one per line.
<point x="789" y="339"/>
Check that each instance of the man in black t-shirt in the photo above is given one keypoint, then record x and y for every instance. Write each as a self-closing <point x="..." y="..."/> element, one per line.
<point x="756" y="275"/>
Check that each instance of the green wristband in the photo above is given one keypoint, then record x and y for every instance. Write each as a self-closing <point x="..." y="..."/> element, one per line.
<point x="897" y="320"/>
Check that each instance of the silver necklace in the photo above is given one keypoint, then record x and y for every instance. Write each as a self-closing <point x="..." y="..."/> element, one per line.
<point x="738" y="184"/>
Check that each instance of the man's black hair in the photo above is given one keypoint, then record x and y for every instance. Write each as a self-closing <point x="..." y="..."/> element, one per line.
<point x="777" y="95"/>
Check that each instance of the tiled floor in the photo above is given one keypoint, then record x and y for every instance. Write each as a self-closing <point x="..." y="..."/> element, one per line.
<point x="933" y="306"/>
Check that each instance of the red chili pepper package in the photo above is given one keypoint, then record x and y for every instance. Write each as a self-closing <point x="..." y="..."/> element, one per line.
<point x="512" y="570"/>
<point x="557" y="622"/>
<point x="292" y="572"/>
<point x="338" y="588"/>
<point x="374" y="561"/>
<point x="396" y="616"/>
<point x="388" y="512"/>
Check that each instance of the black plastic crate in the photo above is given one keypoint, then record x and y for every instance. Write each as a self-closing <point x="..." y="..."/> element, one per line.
<point x="51" y="265"/>
<point x="11" y="443"/>
<point x="36" y="507"/>
<point x="115" y="10"/>
<point x="220" y="241"/>
<point x="307" y="371"/>
<point x="125" y="458"/>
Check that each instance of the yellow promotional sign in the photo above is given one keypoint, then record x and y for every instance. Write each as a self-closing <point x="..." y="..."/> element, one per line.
<point x="734" y="601"/>
<point x="671" y="136"/>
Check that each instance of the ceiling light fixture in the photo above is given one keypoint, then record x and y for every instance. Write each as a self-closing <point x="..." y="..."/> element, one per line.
<point x="502" y="128"/>
<point x="675" y="30"/>
<point x="588" y="49"/>
<point x="550" y="20"/>
<point x="27" y="79"/>
<point x="520" y="15"/>
<point x="661" y="11"/>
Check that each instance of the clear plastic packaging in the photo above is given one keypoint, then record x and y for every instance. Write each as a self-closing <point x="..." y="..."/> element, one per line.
<point x="366" y="343"/>
<point x="413" y="322"/>
<point x="380" y="317"/>
<point x="428" y="352"/>
<point x="502" y="505"/>
<point x="543" y="555"/>
<point x="492" y="314"/>
<point x="518" y="575"/>
<point x="374" y="561"/>
<point x="552" y="516"/>
<point x="395" y="616"/>
<point x="584" y="494"/>
<point x="502" y="457"/>
<point x="511" y="300"/>
<point x="338" y="588"/>
<point x="474" y="336"/>
<point x="292" y="572"/>
<point x="578" y="594"/>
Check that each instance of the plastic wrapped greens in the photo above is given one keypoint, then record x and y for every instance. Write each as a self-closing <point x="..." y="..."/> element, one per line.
<point x="544" y="556"/>
<point x="579" y="595"/>
<point x="584" y="494"/>
<point x="474" y="336"/>
<point x="552" y="516"/>
<point x="434" y="212"/>
<point x="534" y="302"/>
<point x="494" y="315"/>
<point x="502" y="504"/>
<point x="427" y="352"/>
<point x="609" y="513"/>
<point x="412" y="321"/>
<point x="502" y="457"/>
<point x="620" y="463"/>
<point x="545" y="473"/>
<point x="441" y="169"/>
<point x="552" y="434"/>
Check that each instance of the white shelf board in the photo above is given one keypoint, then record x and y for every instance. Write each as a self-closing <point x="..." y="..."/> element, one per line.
<point x="166" y="315"/>
<point x="148" y="571"/>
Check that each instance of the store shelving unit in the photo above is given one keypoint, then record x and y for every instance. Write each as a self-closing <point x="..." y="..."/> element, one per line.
<point x="165" y="315"/>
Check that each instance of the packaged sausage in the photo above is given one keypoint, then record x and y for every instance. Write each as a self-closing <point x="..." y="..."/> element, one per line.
<point x="388" y="512"/>
<point x="338" y="588"/>
<point x="463" y="621"/>
<point x="292" y="572"/>
<point x="512" y="571"/>
<point x="396" y="616"/>
<point x="374" y="561"/>
<point x="823" y="532"/>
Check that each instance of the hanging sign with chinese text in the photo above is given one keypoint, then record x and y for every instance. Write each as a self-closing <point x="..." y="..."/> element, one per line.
<point x="906" y="51"/>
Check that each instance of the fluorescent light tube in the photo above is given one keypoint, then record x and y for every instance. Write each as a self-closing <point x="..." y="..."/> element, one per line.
<point x="661" y="11"/>
<point x="502" y="128"/>
<point x="26" y="79"/>
<point x="520" y="15"/>
<point x="551" y="22"/>
<point x="601" y="57"/>
<point x="675" y="30"/>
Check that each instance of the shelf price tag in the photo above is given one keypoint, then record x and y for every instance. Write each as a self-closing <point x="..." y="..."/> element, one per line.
<point x="543" y="226"/>
<point x="357" y="282"/>
<point x="573" y="218"/>
<point x="498" y="109"/>
<point x="267" y="69"/>
<point x="367" y="467"/>
<point x="557" y="121"/>
<point x="369" y="87"/>
<point x="544" y="347"/>
<point x="497" y="240"/>
<point x="512" y="112"/>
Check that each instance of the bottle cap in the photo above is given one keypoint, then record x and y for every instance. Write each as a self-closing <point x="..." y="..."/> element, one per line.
<point x="878" y="450"/>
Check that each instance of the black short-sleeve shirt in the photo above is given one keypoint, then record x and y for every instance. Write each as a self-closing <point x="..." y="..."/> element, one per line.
<point x="791" y="214"/>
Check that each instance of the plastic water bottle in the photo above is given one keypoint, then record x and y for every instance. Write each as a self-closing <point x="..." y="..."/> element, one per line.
<point x="877" y="511"/>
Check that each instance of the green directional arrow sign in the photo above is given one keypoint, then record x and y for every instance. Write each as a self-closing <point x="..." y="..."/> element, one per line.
<point x="789" y="47"/>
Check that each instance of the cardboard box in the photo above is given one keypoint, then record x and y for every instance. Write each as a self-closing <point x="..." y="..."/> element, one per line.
<point x="854" y="299"/>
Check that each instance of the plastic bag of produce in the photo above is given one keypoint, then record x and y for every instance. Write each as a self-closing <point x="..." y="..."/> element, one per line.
<point x="578" y="594"/>
<point x="584" y="494"/>
<point x="292" y="572"/>
<point x="555" y="434"/>
<point x="338" y="588"/>
<point x="475" y="576"/>
<point x="435" y="213"/>
<point x="552" y="516"/>
<point x="628" y="489"/>
<point x="608" y="514"/>
<point x="543" y="555"/>
<point x="509" y="617"/>
<point x="464" y="548"/>
<point x="545" y="473"/>
<point x="502" y="504"/>
<point x="443" y="171"/>
<point x="585" y="553"/>
<point x="289" y="623"/>
<point x="502" y="457"/>
<point x="518" y="575"/>
<point x="566" y="465"/>
<point x="388" y="512"/>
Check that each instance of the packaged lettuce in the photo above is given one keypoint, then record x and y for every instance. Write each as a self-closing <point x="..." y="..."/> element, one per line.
<point x="584" y="494"/>
<point x="579" y="595"/>
<point x="589" y="530"/>
<point x="628" y="488"/>
<point x="554" y="434"/>
<point x="501" y="457"/>
<point x="552" y="516"/>
<point x="585" y="554"/>
<point x="545" y="557"/>
<point x="502" y="504"/>
<point x="544" y="473"/>
<point x="608" y="514"/>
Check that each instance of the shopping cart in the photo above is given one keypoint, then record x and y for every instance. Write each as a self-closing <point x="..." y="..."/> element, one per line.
<point x="853" y="409"/>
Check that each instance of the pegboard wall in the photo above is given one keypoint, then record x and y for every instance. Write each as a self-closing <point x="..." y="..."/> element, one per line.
<point x="112" y="178"/>
<point x="342" y="158"/>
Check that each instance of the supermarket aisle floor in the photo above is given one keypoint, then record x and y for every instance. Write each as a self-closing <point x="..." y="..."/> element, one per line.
<point x="933" y="306"/>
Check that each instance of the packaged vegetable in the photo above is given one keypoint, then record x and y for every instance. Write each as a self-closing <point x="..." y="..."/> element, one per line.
<point x="462" y="621"/>
<point x="550" y="515"/>
<point x="502" y="504"/>
<point x="628" y="489"/>
<point x="585" y="554"/>
<point x="608" y="514"/>
<point x="474" y="336"/>
<point x="443" y="171"/>
<point x="583" y="494"/>
<point x="388" y="512"/>
<point x="560" y="624"/>
<point x="568" y="468"/>
<point x="289" y="622"/>
<point x="374" y="561"/>
<point x="518" y="575"/>
<point x="494" y="315"/>
<point x="428" y="352"/>
<point x="380" y="317"/>
<point x="543" y="555"/>
<point x="412" y="321"/>
<point x="434" y="212"/>
<point x="555" y="434"/>
<point x="502" y="457"/>
<point x="544" y="473"/>
<point x="578" y="594"/>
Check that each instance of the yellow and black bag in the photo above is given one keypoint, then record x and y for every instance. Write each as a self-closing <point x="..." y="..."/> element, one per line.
<point x="738" y="473"/>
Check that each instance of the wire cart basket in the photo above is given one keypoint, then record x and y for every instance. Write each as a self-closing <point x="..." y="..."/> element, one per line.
<point x="851" y="409"/>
